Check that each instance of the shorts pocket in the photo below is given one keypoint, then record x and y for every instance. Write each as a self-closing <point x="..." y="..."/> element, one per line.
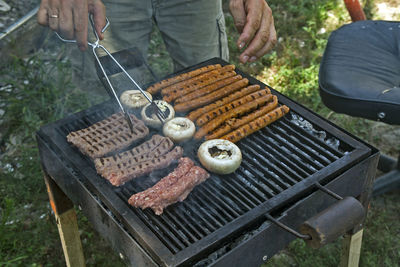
<point x="223" y="40"/>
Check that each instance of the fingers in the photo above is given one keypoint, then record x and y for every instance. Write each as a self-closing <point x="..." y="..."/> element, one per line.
<point x="69" y="18"/>
<point x="54" y="16"/>
<point x="80" y="17"/>
<point x="254" y="15"/>
<point x="267" y="47"/>
<point x="263" y="41"/>
<point x="66" y="22"/>
<point x="42" y="15"/>
<point x="98" y="10"/>
<point x="260" y="35"/>
<point x="238" y="13"/>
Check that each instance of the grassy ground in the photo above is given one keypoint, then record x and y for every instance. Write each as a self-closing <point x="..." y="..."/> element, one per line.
<point x="42" y="88"/>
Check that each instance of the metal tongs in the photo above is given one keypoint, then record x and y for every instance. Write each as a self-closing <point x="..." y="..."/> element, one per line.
<point x="95" y="45"/>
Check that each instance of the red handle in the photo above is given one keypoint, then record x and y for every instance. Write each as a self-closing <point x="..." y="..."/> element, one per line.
<point x="355" y="10"/>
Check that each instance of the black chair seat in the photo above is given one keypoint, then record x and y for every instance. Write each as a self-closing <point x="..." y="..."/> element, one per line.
<point x="360" y="71"/>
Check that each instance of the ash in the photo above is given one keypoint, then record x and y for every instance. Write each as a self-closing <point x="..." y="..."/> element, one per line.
<point x="306" y="125"/>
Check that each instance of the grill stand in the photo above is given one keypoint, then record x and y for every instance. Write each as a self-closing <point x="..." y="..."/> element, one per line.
<point x="70" y="239"/>
<point x="67" y="223"/>
<point x="140" y="250"/>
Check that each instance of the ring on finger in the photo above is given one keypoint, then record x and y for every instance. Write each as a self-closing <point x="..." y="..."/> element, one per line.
<point x="54" y="16"/>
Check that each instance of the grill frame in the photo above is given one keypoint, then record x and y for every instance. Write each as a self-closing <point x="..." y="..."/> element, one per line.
<point x="77" y="165"/>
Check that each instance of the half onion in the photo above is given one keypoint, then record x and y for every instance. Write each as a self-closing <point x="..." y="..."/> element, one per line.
<point x="134" y="98"/>
<point x="220" y="156"/>
<point x="149" y="116"/>
<point x="179" y="129"/>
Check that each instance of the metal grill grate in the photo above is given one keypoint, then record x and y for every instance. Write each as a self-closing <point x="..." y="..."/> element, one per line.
<point x="274" y="159"/>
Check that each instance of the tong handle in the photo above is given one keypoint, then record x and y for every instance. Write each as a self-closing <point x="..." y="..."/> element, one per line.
<point x="94" y="32"/>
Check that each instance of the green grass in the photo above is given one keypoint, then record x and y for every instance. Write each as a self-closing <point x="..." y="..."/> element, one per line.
<point x="38" y="92"/>
<point x="41" y="88"/>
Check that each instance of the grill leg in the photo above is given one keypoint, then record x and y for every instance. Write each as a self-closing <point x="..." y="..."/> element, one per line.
<point x="67" y="224"/>
<point x="351" y="248"/>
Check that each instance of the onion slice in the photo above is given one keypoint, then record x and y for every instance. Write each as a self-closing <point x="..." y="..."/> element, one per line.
<point x="179" y="129"/>
<point x="134" y="98"/>
<point x="151" y="119"/>
<point x="220" y="156"/>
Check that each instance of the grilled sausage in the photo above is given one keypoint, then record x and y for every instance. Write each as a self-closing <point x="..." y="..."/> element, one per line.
<point x="256" y="124"/>
<point x="234" y="123"/>
<point x="203" y="119"/>
<point x="196" y="79"/>
<point x="196" y="86"/>
<point x="206" y="99"/>
<point x="245" y="91"/>
<point x="155" y="88"/>
<point x="239" y="111"/>
<point x="208" y="89"/>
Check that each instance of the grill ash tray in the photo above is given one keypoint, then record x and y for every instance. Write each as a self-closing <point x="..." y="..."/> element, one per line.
<point x="280" y="164"/>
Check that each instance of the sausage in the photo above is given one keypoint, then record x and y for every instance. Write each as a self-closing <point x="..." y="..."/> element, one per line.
<point x="206" y="99"/>
<point x="245" y="91"/>
<point x="234" y="123"/>
<point x="239" y="111"/>
<point x="256" y="124"/>
<point x="196" y="79"/>
<point x="208" y="89"/>
<point x="155" y="88"/>
<point x="197" y="85"/>
<point x="203" y="119"/>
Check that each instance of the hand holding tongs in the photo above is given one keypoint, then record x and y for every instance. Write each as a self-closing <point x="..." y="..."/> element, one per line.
<point x="160" y="114"/>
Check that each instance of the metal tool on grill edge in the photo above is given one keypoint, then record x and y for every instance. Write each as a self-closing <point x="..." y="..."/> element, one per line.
<point x="95" y="45"/>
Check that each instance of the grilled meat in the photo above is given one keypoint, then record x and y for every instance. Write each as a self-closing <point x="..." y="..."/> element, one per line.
<point x="145" y="198"/>
<point x="173" y="188"/>
<point x="108" y="135"/>
<point x="156" y="146"/>
<point x="122" y="175"/>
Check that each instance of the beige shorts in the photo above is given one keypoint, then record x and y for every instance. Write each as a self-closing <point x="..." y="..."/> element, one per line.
<point x="193" y="30"/>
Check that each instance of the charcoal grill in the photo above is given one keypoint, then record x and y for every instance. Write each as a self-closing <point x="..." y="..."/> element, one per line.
<point x="224" y="220"/>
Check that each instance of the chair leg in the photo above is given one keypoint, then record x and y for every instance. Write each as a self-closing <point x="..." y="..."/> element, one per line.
<point x="391" y="179"/>
<point x="355" y="10"/>
<point x="351" y="248"/>
<point x="67" y="224"/>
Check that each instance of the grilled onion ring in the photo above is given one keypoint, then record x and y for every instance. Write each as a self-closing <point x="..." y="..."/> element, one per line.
<point x="151" y="119"/>
<point x="134" y="98"/>
<point x="220" y="156"/>
<point x="179" y="129"/>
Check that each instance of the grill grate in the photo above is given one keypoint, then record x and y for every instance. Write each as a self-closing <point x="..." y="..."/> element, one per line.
<point x="280" y="163"/>
<point x="288" y="155"/>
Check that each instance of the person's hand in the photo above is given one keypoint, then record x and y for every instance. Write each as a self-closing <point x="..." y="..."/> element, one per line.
<point x="69" y="18"/>
<point x="253" y="20"/>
